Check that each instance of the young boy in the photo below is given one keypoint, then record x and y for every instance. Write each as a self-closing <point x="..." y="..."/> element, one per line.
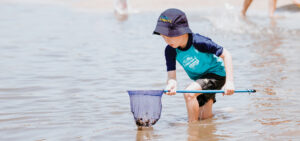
<point x="201" y="58"/>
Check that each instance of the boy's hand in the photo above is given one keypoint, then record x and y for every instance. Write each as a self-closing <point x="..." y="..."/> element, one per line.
<point x="171" y="87"/>
<point x="229" y="88"/>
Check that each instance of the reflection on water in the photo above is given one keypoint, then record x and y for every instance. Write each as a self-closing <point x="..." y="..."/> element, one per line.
<point x="144" y="134"/>
<point x="64" y="75"/>
<point x="204" y="130"/>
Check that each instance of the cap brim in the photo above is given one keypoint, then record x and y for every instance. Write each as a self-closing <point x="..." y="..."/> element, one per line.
<point x="171" y="33"/>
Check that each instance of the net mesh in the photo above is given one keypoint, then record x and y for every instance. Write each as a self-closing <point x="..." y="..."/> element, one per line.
<point x="146" y="106"/>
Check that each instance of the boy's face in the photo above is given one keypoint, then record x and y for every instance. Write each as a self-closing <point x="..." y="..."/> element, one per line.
<point x="177" y="41"/>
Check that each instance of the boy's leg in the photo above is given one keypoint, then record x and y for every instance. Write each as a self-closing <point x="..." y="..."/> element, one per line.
<point x="194" y="111"/>
<point x="206" y="110"/>
<point x="200" y="105"/>
<point x="205" y="101"/>
<point x="191" y="101"/>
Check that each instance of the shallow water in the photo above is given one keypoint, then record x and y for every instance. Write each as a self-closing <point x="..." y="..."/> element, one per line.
<point x="64" y="75"/>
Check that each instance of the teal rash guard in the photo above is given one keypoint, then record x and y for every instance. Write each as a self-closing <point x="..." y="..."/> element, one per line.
<point x="199" y="57"/>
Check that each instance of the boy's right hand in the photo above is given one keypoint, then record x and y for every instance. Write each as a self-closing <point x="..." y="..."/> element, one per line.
<point x="171" y="87"/>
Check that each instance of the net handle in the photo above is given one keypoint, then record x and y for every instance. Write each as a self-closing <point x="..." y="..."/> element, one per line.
<point x="212" y="91"/>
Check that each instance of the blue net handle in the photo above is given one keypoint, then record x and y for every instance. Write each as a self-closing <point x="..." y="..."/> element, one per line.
<point x="212" y="91"/>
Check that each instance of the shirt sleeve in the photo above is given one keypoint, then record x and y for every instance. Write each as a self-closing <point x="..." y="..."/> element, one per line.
<point x="205" y="44"/>
<point x="170" y="55"/>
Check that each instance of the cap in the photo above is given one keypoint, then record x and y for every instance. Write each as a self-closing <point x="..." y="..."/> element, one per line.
<point x="172" y="22"/>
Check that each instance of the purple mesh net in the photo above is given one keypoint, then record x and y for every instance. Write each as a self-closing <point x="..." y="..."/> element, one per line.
<point x="145" y="106"/>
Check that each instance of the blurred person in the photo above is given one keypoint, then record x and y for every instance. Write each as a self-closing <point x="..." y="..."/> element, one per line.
<point x="297" y="2"/>
<point x="204" y="130"/>
<point x="121" y="9"/>
<point x="144" y="134"/>
<point x="206" y="63"/>
<point x="272" y="6"/>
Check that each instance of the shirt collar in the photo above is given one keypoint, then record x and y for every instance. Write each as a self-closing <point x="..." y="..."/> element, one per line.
<point x="189" y="43"/>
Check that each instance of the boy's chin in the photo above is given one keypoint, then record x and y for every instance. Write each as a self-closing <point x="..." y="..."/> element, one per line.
<point x="174" y="47"/>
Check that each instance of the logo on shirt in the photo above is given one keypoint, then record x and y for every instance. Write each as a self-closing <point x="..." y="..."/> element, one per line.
<point x="165" y="19"/>
<point x="191" y="62"/>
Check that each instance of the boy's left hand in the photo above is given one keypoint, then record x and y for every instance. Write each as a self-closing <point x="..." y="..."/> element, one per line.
<point x="229" y="88"/>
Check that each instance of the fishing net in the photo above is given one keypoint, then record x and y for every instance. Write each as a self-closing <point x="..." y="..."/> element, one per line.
<point x="145" y="106"/>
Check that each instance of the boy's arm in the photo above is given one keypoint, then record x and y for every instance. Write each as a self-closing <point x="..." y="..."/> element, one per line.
<point x="171" y="82"/>
<point x="171" y="75"/>
<point x="229" y="85"/>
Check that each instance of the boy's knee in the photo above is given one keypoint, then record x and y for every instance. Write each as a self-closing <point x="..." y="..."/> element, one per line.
<point x="190" y="96"/>
<point x="194" y="86"/>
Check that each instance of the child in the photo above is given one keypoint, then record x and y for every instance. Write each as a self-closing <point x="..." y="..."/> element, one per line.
<point x="201" y="58"/>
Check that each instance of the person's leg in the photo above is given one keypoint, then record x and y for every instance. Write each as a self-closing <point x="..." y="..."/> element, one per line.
<point x="272" y="7"/>
<point x="205" y="111"/>
<point x="210" y="82"/>
<point x="246" y="5"/>
<point x="297" y="2"/>
<point x="192" y="104"/>
<point x="121" y="10"/>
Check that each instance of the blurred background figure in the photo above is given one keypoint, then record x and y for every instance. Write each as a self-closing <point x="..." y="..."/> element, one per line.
<point x="272" y="6"/>
<point x="121" y="10"/>
<point x="297" y="2"/>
